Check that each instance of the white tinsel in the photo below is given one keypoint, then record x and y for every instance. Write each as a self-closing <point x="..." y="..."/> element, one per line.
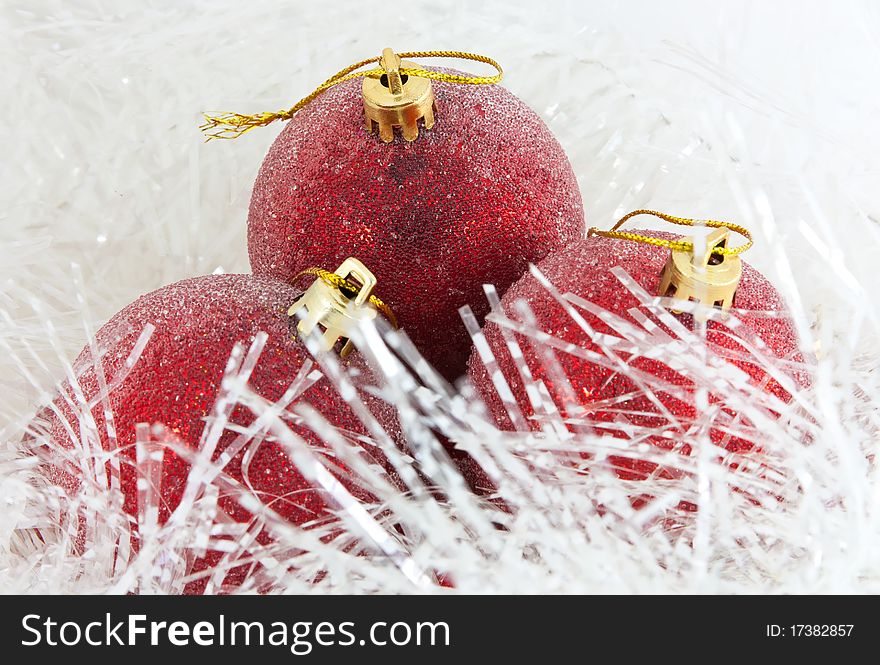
<point x="761" y="114"/>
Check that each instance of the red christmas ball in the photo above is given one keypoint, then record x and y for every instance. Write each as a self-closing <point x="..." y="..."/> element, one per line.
<point x="176" y="381"/>
<point x="473" y="200"/>
<point x="608" y="397"/>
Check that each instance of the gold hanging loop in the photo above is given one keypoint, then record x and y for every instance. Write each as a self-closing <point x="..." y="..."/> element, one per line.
<point x="233" y="125"/>
<point x="709" y="275"/>
<point x="337" y="302"/>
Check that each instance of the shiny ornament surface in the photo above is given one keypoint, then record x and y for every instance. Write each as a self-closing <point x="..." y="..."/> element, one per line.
<point x="609" y="397"/>
<point x="474" y="200"/>
<point x="176" y="381"/>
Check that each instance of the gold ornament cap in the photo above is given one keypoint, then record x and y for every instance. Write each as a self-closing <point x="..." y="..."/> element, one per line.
<point x="396" y="94"/>
<point x="337" y="303"/>
<point x="702" y="275"/>
<point x="397" y="100"/>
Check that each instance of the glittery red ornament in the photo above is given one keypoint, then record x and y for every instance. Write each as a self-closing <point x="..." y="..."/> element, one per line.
<point x="177" y="379"/>
<point x="609" y="397"/>
<point x="473" y="200"/>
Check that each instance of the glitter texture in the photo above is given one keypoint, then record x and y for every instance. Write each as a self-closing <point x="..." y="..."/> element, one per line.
<point x="176" y="381"/>
<point x="609" y="399"/>
<point x="474" y="200"/>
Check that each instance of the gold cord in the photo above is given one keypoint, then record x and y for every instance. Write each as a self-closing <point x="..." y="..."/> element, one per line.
<point x="233" y="125"/>
<point x="343" y="284"/>
<point x="680" y="245"/>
